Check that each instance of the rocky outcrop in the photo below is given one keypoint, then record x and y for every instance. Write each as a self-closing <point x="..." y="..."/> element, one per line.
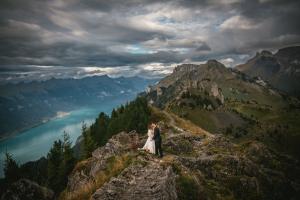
<point x="25" y="189"/>
<point x="141" y="177"/>
<point x="86" y="171"/>
<point x="143" y="181"/>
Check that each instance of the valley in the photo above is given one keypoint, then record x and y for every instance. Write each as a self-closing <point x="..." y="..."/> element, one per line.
<point x="25" y="105"/>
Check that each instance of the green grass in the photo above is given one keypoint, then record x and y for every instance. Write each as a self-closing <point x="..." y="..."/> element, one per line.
<point x="251" y="110"/>
<point x="215" y="190"/>
<point x="198" y="116"/>
<point x="186" y="184"/>
<point x="234" y="184"/>
<point x="181" y="147"/>
<point x="187" y="188"/>
<point x="279" y="128"/>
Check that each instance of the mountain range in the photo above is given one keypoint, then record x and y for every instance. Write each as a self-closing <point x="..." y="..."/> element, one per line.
<point x="23" y="105"/>
<point x="281" y="69"/>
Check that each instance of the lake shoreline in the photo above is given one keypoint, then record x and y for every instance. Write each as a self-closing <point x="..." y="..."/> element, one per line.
<point x="9" y="135"/>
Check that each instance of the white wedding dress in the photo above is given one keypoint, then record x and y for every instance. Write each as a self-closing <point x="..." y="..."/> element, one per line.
<point x="150" y="143"/>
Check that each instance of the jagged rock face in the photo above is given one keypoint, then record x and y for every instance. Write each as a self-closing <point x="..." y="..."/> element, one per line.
<point x="282" y="69"/>
<point x="25" y="189"/>
<point x="185" y="68"/>
<point x="118" y="144"/>
<point x="217" y="93"/>
<point x="186" y="77"/>
<point x="148" y="182"/>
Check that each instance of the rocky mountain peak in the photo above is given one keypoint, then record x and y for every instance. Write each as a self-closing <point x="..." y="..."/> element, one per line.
<point x="265" y="53"/>
<point x="185" y="68"/>
<point x="214" y="63"/>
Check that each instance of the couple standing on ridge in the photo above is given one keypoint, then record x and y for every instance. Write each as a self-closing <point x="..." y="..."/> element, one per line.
<point x="153" y="143"/>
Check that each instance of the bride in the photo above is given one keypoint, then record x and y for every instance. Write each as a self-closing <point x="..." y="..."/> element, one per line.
<point x="150" y="143"/>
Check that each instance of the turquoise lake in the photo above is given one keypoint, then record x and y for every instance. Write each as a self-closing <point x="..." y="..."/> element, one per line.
<point x="36" y="142"/>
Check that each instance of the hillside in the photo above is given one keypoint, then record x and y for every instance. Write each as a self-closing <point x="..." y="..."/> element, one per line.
<point x="223" y="100"/>
<point x="196" y="165"/>
<point x="281" y="70"/>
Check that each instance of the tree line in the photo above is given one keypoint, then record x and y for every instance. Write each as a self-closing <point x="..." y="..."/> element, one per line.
<point x="131" y="116"/>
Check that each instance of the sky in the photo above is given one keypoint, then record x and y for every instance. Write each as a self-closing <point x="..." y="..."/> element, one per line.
<point x="77" y="38"/>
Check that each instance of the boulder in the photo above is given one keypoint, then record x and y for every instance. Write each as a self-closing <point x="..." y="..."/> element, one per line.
<point x="136" y="182"/>
<point x="25" y="189"/>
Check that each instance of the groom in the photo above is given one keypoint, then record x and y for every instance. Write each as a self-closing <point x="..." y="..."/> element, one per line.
<point x="157" y="139"/>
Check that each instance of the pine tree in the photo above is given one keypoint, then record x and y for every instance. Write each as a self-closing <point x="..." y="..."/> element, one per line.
<point x="55" y="159"/>
<point x="114" y="114"/>
<point x="89" y="144"/>
<point x="11" y="169"/>
<point x="60" y="163"/>
<point x="121" y="109"/>
<point x="68" y="158"/>
<point x="101" y="135"/>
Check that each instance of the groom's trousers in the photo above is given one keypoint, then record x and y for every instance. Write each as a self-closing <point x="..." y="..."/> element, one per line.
<point x="158" y="149"/>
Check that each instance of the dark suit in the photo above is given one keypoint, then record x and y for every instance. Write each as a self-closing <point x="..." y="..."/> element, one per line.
<point x="157" y="139"/>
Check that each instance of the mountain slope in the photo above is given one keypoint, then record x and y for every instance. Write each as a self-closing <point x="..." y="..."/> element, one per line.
<point x="281" y="70"/>
<point x="223" y="100"/>
<point x="214" y="80"/>
<point x="212" y="88"/>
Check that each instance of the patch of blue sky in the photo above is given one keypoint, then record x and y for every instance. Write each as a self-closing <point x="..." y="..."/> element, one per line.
<point x="138" y="49"/>
<point x="165" y="20"/>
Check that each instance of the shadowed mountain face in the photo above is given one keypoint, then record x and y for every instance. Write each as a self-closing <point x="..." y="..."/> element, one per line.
<point x="24" y="105"/>
<point x="281" y="70"/>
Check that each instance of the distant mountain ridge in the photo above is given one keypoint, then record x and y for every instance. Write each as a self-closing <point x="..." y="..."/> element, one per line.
<point x="27" y="104"/>
<point x="212" y="80"/>
<point x="281" y="70"/>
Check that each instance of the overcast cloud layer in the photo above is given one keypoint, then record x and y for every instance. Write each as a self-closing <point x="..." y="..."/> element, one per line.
<point x="138" y="37"/>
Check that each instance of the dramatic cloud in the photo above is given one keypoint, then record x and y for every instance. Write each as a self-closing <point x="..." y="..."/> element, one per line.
<point x="139" y="37"/>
